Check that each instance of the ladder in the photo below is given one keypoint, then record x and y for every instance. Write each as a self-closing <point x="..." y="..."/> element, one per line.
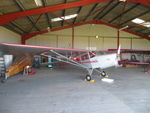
<point x="2" y="69"/>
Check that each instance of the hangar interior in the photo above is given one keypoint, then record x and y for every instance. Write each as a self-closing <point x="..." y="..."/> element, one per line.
<point x="84" y="25"/>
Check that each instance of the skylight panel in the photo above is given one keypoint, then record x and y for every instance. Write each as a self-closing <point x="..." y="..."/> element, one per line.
<point x="146" y="24"/>
<point x="64" y="18"/>
<point x="138" y="21"/>
<point x="38" y="2"/>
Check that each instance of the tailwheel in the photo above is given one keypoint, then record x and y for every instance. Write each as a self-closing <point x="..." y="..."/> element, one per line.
<point x="88" y="77"/>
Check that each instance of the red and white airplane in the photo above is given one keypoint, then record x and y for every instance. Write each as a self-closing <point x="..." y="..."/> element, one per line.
<point x="89" y="60"/>
<point x="135" y="56"/>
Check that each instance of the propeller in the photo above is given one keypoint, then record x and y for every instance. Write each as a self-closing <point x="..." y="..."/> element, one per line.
<point x="118" y="56"/>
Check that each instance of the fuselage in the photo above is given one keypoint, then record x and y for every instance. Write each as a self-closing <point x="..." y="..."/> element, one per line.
<point x="101" y="61"/>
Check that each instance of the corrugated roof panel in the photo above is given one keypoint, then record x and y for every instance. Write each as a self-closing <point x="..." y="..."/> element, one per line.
<point x="8" y="6"/>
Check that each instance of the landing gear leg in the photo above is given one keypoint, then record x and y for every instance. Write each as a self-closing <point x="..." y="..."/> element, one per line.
<point x="88" y="77"/>
<point x="104" y="74"/>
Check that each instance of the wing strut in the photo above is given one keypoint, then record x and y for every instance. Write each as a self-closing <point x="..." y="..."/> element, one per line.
<point x="69" y="61"/>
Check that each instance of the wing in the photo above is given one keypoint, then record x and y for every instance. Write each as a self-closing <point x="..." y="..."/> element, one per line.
<point x="140" y="51"/>
<point x="22" y="49"/>
<point x="60" y="54"/>
<point x="24" y="53"/>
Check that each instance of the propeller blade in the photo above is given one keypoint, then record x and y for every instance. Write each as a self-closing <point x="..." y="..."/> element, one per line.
<point x="118" y="56"/>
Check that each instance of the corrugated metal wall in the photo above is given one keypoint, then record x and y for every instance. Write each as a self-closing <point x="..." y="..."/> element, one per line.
<point x="8" y="36"/>
<point x="85" y="38"/>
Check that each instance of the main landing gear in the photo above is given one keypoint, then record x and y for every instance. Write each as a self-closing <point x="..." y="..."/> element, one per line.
<point x="103" y="74"/>
<point x="89" y="76"/>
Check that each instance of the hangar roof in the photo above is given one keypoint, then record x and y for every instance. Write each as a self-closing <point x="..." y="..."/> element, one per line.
<point x="30" y="16"/>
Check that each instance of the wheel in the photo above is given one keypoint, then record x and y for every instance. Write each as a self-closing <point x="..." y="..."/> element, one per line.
<point x="88" y="77"/>
<point x="103" y="73"/>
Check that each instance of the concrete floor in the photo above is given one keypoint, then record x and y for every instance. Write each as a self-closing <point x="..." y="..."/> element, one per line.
<point x="64" y="91"/>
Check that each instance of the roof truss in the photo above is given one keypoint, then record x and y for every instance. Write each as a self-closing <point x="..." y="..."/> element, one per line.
<point x="6" y="18"/>
<point x="12" y="16"/>
<point x="28" y="36"/>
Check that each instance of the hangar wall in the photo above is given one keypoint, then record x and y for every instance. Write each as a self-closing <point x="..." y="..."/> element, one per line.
<point x="85" y="38"/>
<point x="8" y="36"/>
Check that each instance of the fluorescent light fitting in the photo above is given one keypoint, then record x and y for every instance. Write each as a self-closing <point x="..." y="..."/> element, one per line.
<point x="122" y="0"/>
<point x="96" y="36"/>
<point x="38" y="2"/>
<point x="64" y="17"/>
<point x="138" y="21"/>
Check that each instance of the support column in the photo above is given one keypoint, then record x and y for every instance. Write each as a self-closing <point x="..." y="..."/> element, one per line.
<point x="118" y="39"/>
<point x="131" y="43"/>
<point x="23" y="41"/>
<point x="72" y="37"/>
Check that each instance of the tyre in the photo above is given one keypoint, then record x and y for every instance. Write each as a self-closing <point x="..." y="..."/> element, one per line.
<point x="88" y="77"/>
<point x="103" y="73"/>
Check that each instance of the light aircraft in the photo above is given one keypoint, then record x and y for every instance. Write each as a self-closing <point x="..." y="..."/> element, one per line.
<point x="89" y="60"/>
<point x="135" y="56"/>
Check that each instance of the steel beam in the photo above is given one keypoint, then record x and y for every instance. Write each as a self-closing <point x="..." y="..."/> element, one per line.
<point x="35" y="23"/>
<point x="63" y="13"/>
<point x="118" y="38"/>
<point x="134" y="17"/>
<point x="18" y="27"/>
<point x="124" y="13"/>
<point x="147" y="33"/>
<point x="93" y="8"/>
<point x="109" y="10"/>
<point x="78" y="12"/>
<point x="142" y="30"/>
<point x="15" y="25"/>
<point x="12" y="16"/>
<point x="9" y="27"/>
<point x="72" y="37"/>
<point x="23" y="9"/>
<point x="47" y="15"/>
<point x="120" y="18"/>
<point x="102" y="9"/>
